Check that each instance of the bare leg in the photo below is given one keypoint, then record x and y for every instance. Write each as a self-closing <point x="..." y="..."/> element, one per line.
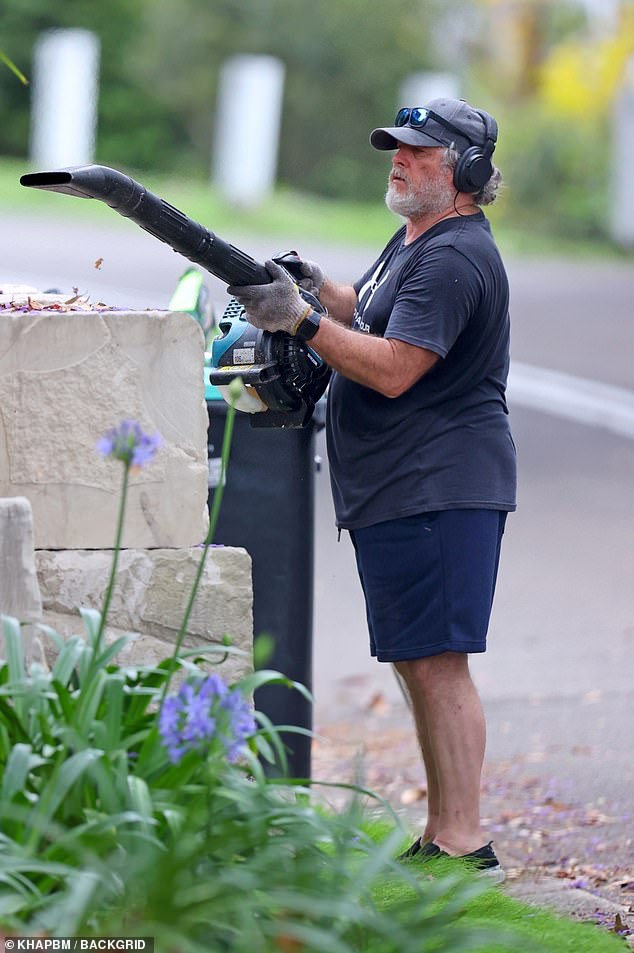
<point x="433" y="790"/>
<point x="450" y="719"/>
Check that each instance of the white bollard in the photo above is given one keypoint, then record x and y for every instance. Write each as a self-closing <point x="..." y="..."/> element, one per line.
<point x="247" y="128"/>
<point x="622" y="184"/>
<point x="64" y="105"/>
<point x="418" y="89"/>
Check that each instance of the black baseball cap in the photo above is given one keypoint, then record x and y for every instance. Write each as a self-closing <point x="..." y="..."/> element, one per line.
<point x="442" y="122"/>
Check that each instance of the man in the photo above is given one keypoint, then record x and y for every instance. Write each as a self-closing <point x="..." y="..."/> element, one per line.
<point x="421" y="455"/>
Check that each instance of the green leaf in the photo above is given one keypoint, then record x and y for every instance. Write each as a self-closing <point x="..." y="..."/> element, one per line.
<point x="152" y="754"/>
<point x="70" y="653"/>
<point x="78" y="901"/>
<point x="91" y="694"/>
<point x="113" y="697"/>
<point x="14" y="648"/>
<point x="112" y="650"/>
<point x="272" y="737"/>
<point x="11" y="903"/>
<point x="52" y="634"/>
<point x="14" y="725"/>
<point x="92" y="621"/>
<point x="104" y="775"/>
<point x="179" y="774"/>
<point x="65" y="777"/>
<point x="250" y="683"/>
<point x="65" y="701"/>
<point x="21" y="761"/>
<point x="263" y="649"/>
<point x="174" y="819"/>
<point x="11" y="65"/>
<point x="141" y="800"/>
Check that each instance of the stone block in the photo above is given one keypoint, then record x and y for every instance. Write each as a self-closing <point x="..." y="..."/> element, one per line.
<point x="19" y="590"/>
<point x="151" y="592"/>
<point x="66" y="377"/>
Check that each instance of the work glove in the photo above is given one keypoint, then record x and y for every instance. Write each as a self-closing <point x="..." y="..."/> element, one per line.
<point x="313" y="277"/>
<point x="277" y="306"/>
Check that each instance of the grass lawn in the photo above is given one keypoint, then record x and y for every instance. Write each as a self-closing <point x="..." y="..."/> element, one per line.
<point x="286" y="213"/>
<point x="537" y="928"/>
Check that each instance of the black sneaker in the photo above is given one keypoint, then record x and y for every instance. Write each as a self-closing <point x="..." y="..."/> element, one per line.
<point x="484" y="861"/>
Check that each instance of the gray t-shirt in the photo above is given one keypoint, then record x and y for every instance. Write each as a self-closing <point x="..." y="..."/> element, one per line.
<point x="446" y="442"/>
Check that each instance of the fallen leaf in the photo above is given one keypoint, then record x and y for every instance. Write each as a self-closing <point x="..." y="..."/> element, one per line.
<point x="378" y="704"/>
<point x="98" y="263"/>
<point x="618" y="924"/>
<point x="412" y="795"/>
<point x="556" y="805"/>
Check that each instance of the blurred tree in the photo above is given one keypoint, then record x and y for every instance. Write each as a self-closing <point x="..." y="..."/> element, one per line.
<point x="345" y="60"/>
<point x="559" y="158"/>
<point x="580" y="76"/>
<point x="558" y="66"/>
<point x="515" y="35"/>
<point x="131" y="130"/>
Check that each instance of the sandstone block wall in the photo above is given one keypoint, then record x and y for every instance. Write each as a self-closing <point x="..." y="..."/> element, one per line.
<point x="150" y="596"/>
<point x="65" y="379"/>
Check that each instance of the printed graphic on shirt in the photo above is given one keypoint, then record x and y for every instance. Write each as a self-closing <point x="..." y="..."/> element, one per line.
<point x="366" y="293"/>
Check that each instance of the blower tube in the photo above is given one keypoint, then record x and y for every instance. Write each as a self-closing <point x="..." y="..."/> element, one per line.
<point x="156" y="216"/>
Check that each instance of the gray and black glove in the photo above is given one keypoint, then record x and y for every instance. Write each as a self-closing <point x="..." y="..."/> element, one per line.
<point x="277" y="306"/>
<point x="313" y="277"/>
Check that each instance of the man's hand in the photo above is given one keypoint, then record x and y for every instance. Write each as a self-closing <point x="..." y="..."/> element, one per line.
<point x="277" y="306"/>
<point x="313" y="277"/>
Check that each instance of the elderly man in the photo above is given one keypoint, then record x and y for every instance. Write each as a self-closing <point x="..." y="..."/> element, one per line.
<point x="421" y="455"/>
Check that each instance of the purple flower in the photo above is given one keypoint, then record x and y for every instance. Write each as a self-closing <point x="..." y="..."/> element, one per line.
<point x="127" y="442"/>
<point x="202" y="711"/>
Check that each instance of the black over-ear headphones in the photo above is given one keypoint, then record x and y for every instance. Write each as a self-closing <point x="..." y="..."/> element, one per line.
<point x="474" y="167"/>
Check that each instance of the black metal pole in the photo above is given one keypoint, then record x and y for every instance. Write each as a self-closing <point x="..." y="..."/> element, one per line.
<point x="268" y="508"/>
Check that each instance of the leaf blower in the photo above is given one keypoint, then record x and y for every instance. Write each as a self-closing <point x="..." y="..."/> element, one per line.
<point x="284" y="378"/>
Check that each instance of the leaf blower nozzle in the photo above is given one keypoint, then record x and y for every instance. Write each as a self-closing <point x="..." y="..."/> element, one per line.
<point x="156" y="216"/>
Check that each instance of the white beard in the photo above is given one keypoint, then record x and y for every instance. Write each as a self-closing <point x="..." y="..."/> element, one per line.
<point x="430" y="198"/>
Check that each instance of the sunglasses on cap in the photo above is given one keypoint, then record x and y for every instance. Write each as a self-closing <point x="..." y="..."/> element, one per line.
<point x="417" y="116"/>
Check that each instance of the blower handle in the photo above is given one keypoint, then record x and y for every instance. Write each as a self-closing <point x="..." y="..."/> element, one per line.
<point x="156" y="216"/>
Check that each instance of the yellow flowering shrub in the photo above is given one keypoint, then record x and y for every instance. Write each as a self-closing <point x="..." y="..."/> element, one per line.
<point x="580" y="77"/>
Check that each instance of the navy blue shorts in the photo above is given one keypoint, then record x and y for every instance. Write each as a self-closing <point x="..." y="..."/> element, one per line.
<point x="429" y="581"/>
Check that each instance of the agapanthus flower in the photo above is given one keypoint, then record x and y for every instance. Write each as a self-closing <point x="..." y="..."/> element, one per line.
<point x="127" y="442"/>
<point x="204" y="710"/>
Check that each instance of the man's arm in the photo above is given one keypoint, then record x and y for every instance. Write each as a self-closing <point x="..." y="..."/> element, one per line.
<point x="386" y="365"/>
<point x="339" y="300"/>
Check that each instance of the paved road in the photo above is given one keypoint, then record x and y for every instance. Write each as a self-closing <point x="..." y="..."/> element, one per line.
<point x="558" y="678"/>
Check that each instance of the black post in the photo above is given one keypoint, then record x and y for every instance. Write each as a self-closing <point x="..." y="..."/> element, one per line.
<point x="268" y="508"/>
